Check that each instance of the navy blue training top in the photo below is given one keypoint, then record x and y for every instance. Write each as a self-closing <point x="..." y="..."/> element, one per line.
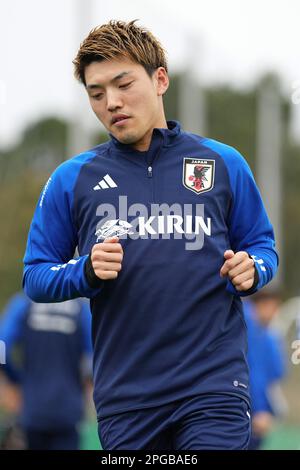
<point x="169" y="326"/>
<point x="54" y="347"/>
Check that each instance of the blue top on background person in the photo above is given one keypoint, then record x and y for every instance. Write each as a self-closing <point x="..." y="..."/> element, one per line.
<point x="55" y="356"/>
<point x="267" y="363"/>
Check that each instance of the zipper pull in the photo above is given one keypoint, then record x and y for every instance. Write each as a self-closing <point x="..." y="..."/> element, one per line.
<point x="150" y="174"/>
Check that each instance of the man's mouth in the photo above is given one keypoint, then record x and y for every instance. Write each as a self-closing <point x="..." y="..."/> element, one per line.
<point x="119" y="119"/>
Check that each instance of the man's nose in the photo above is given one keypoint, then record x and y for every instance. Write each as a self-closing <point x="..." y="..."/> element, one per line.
<point x="113" y="100"/>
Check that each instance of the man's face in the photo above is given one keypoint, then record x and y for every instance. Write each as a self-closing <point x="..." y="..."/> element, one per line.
<point x="126" y="99"/>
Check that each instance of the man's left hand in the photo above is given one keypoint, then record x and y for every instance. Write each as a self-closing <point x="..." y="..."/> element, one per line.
<point x="239" y="268"/>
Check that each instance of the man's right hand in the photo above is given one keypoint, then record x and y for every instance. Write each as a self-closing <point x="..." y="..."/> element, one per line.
<point x="107" y="258"/>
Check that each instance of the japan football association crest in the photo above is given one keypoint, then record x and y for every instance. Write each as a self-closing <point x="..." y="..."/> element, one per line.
<point x="198" y="174"/>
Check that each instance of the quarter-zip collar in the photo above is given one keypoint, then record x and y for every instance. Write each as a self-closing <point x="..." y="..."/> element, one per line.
<point x="166" y="136"/>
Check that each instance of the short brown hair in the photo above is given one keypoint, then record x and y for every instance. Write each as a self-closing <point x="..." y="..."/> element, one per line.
<point x="120" y="39"/>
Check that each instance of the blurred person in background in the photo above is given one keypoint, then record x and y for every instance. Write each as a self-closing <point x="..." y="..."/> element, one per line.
<point x="11" y="435"/>
<point x="48" y="369"/>
<point x="170" y="367"/>
<point x="267" y="364"/>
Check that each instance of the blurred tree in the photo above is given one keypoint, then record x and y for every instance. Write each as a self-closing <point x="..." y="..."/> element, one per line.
<point x="18" y="198"/>
<point x="291" y="217"/>
<point x="42" y="148"/>
<point x="171" y="101"/>
<point x="232" y="119"/>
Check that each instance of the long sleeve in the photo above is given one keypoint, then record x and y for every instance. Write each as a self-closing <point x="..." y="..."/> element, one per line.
<point x="249" y="227"/>
<point x="51" y="274"/>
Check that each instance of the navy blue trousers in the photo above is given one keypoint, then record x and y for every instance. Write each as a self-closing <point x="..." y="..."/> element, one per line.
<point x="208" y="422"/>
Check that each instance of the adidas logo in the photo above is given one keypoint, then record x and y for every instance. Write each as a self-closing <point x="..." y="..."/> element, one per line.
<point x="106" y="183"/>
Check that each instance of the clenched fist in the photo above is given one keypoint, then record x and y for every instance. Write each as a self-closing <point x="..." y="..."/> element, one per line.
<point x="107" y="258"/>
<point x="239" y="268"/>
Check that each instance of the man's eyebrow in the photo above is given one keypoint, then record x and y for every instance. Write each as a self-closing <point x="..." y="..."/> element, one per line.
<point x="92" y="86"/>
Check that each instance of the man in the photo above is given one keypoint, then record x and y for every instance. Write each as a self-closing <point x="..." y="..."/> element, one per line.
<point x="169" y="339"/>
<point x="267" y="364"/>
<point x="54" y="349"/>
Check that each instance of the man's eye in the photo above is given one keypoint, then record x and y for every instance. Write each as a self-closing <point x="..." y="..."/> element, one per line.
<point x="125" y="85"/>
<point x="98" y="96"/>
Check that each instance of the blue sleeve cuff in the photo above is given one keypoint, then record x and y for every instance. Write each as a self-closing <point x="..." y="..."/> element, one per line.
<point x="90" y="290"/>
<point x="230" y="287"/>
<point x="49" y="282"/>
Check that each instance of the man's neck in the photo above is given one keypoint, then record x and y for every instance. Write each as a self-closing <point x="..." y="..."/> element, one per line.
<point x="144" y="144"/>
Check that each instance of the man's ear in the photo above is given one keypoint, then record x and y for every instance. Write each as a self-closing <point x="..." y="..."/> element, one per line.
<point x="162" y="80"/>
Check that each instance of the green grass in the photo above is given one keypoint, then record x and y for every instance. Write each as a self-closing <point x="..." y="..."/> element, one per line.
<point x="283" y="437"/>
<point x="89" y="436"/>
